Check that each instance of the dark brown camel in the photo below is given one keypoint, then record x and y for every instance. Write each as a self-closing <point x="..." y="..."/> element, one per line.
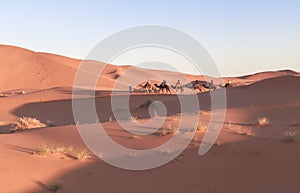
<point x="147" y="86"/>
<point x="197" y="87"/>
<point x="163" y="87"/>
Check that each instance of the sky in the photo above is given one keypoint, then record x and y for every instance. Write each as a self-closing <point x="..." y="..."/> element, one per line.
<point x="241" y="36"/>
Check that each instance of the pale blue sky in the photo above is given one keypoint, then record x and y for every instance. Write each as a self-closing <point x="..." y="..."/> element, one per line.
<point x="242" y="36"/>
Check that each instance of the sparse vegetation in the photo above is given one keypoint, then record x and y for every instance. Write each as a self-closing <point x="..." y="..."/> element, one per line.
<point x="243" y="130"/>
<point x="201" y="127"/>
<point x="55" y="187"/>
<point x="219" y="142"/>
<point x="163" y="132"/>
<point x="82" y="154"/>
<point x="170" y="130"/>
<point x="289" y="136"/>
<point x="133" y="118"/>
<point x="239" y="129"/>
<point x="50" y="123"/>
<point x="263" y="122"/>
<point x="45" y="149"/>
<point x="135" y="137"/>
<point x="25" y="123"/>
<point x="196" y="141"/>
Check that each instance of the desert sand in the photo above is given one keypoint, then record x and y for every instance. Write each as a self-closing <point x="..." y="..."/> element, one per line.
<point x="248" y="156"/>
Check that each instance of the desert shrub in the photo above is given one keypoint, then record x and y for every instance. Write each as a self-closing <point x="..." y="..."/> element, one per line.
<point x="25" y="123"/>
<point x="133" y="118"/>
<point x="219" y="142"/>
<point x="45" y="149"/>
<point x="55" y="187"/>
<point x="82" y="154"/>
<point x="243" y="130"/>
<point x="135" y="137"/>
<point x="201" y="127"/>
<point x="172" y="129"/>
<point x="263" y="121"/>
<point x="289" y="136"/>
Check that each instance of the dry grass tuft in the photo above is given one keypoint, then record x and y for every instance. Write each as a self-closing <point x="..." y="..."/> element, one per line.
<point x="135" y="137"/>
<point x="133" y="118"/>
<point x="45" y="149"/>
<point x="55" y="187"/>
<point x="82" y="154"/>
<point x="171" y="130"/>
<point x="25" y="123"/>
<point x="289" y="136"/>
<point x="243" y="130"/>
<point x="263" y="122"/>
<point x="201" y="127"/>
<point x="219" y="142"/>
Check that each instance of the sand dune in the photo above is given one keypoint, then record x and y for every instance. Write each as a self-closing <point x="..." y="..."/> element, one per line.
<point x="247" y="157"/>
<point x="21" y="67"/>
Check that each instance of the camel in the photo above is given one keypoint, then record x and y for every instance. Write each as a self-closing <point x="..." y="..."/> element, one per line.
<point x="148" y="87"/>
<point x="195" y="86"/>
<point x="163" y="87"/>
<point x="176" y="87"/>
<point x="188" y="85"/>
<point x="228" y="85"/>
<point x="209" y="86"/>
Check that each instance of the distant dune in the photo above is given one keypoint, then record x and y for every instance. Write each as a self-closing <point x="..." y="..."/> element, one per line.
<point x="25" y="69"/>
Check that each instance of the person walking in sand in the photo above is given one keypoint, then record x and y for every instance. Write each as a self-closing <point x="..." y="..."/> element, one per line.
<point x="177" y="85"/>
<point x="130" y="89"/>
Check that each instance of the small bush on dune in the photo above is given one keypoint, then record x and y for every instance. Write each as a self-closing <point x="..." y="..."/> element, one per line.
<point x="82" y="155"/>
<point x="171" y="130"/>
<point x="133" y="118"/>
<point x="243" y="130"/>
<point x="45" y="149"/>
<point x="263" y="121"/>
<point x="201" y="127"/>
<point x="27" y="123"/>
<point x="135" y="137"/>
<point x="289" y="136"/>
<point x="55" y="187"/>
<point x="219" y="142"/>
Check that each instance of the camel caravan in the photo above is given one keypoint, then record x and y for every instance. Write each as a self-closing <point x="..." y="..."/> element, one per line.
<point x="163" y="88"/>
